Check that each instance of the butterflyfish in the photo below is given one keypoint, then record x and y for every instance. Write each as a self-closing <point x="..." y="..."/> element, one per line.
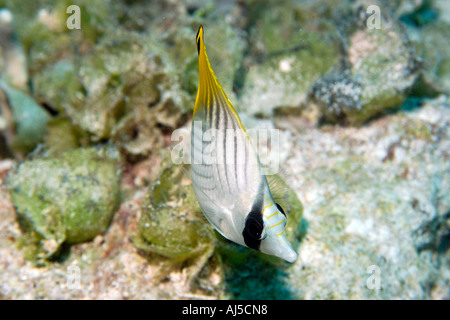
<point x="229" y="183"/>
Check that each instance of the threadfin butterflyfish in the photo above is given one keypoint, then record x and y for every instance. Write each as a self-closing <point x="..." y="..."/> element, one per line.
<point x="226" y="173"/>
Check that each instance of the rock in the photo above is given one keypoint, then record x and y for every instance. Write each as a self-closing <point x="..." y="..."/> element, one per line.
<point x="172" y="224"/>
<point x="430" y="43"/>
<point x="62" y="136"/>
<point x="376" y="203"/>
<point x="13" y="64"/>
<point x="116" y="93"/>
<point x="337" y="95"/>
<point x="68" y="199"/>
<point x="118" y="64"/>
<point x="380" y="71"/>
<point x="42" y="29"/>
<point x="59" y="86"/>
<point x="385" y="63"/>
<point x="26" y="120"/>
<point x="127" y="86"/>
<point x="292" y="51"/>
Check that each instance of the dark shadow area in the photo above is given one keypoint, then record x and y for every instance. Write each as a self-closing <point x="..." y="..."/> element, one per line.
<point x="252" y="275"/>
<point x="62" y="255"/>
<point x="412" y="104"/>
<point x="434" y="236"/>
<point x="301" y="233"/>
<point x="256" y="279"/>
<point x="421" y="16"/>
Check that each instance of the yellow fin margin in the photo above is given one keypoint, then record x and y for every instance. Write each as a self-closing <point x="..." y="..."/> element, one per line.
<point x="209" y="87"/>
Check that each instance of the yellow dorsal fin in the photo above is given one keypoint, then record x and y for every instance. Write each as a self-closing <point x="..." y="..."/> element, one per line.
<point x="209" y="88"/>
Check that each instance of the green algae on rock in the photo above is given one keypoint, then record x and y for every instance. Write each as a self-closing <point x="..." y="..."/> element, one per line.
<point x="42" y="29"/>
<point x="126" y="86"/>
<point x="172" y="224"/>
<point x="66" y="199"/>
<point x="125" y="90"/>
<point x="59" y="86"/>
<point x="376" y="74"/>
<point x="62" y="135"/>
<point x="432" y="45"/>
<point x="291" y="52"/>
<point x="428" y="26"/>
<point x="387" y="66"/>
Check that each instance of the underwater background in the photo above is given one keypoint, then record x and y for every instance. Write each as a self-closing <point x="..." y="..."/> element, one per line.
<point x="92" y="205"/>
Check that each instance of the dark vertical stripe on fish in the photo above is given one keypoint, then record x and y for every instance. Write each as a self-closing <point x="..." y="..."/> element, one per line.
<point x="254" y="225"/>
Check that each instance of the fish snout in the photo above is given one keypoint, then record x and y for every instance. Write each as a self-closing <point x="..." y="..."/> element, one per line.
<point x="280" y="247"/>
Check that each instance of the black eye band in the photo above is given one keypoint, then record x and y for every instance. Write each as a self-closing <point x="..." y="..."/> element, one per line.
<point x="253" y="230"/>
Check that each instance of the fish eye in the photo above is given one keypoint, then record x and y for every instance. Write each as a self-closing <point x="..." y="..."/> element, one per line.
<point x="253" y="231"/>
<point x="280" y="209"/>
<point x="254" y="228"/>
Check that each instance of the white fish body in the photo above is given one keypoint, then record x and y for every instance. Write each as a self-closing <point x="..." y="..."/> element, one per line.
<point x="227" y="178"/>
